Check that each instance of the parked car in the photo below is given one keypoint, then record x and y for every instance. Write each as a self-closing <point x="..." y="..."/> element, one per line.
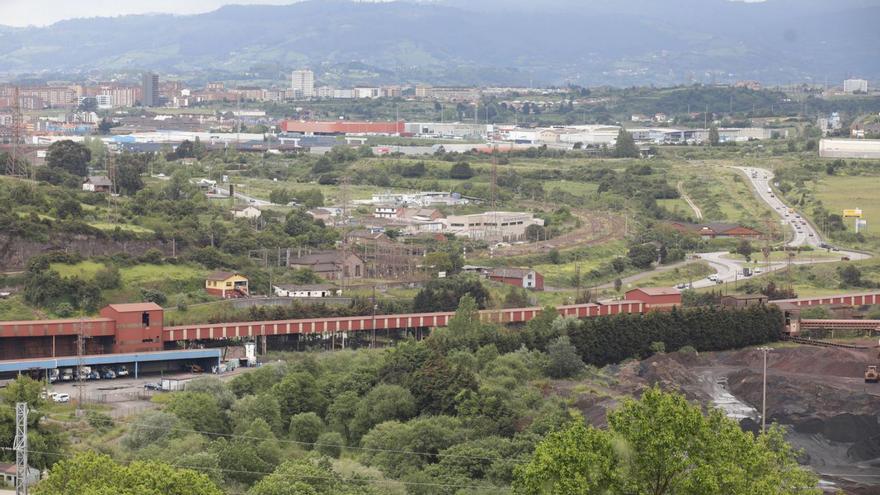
<point x="152" y="386"/>
<point x="108" y="374"/>
<point x="61" y="398"/>
<point x="94" y="376"/>
<point x="121" y="371"/>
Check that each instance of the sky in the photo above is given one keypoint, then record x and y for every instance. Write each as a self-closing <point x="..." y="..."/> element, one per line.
<point x="44" y="12"/>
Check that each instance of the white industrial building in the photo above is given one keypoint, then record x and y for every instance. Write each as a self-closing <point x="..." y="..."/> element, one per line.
<point x="449" y="130"/>
<point x="849" y="148"/>
<point x="506" y="226"/>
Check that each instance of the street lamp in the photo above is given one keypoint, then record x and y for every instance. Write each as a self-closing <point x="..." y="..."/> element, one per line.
<point x="764" y="350"/>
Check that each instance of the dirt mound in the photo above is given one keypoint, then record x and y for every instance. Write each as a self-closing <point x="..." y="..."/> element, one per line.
<point x="828" y="361"/>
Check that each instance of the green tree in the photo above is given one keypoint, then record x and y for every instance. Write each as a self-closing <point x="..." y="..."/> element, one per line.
<point x="714" y="138"/>
<point x="23" y="389"/>
<point x="297" y="392"/>
<point x="309" y="476"/>
<point x="128" y="177"/>
<point x="661" y="444"/>
<point x="279" y="196"/>
<point x="245" y="458"/>
<point x="564" y="360"/>
<point x="850" y="276"/>
<point x="330" y="443"/>
<point x="642" y="255"/>
<point x="383" y="403"/>
<point x="251" y="407"/>
<point x="625" y="146"/>
<point x="69" y="156"/>
<point x="305" y="428"/>
<point x="199" y="410"/>
<point x="745" y="249"/>
<point x="461" y="171"/>
<point x="89" y="473"/>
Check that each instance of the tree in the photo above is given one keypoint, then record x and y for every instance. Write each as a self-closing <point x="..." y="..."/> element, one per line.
<point x="305" y="428"/>
<point x="850" y="276"/>
<point x="297" y="392"/>
<point x="625" y="147"/>
<point x="554" y="257"/>
<point x="382" y="403"/>
<point x="69" y="156"/>
<point x="279" y="196"/>
<point x="128" y="177"/>
<point x="714" y="138"/>
<point x="199" y="410"/>
<point x="68" y="208"/>
<point x="89" y="473"/>
<point x="642" y="255"/>
<point x="251" y="407"/>
<point x="664" y="445"/>
<point x="536" y="232"/>
<point x="23" y="389"/>
<point x="461" y="171"/>
<point x="564" y="359"/>
<point x="330" y="443"/>
<point x="309" y="476"/>
<point x="745" y="249"/>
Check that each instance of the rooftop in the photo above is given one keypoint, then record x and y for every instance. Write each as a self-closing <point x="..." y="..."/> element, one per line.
<point x="658" y="291"/>
<point x="127" y="307"/>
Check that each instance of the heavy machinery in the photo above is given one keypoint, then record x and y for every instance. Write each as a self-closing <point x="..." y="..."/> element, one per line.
<point x="871" y="374"/>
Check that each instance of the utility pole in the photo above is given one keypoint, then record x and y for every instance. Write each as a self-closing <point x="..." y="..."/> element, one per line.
<point x="79" y="366"/>
<point x="373" y="325"/>
<point x="20" y="445"/>
<point x="764" y="350"/>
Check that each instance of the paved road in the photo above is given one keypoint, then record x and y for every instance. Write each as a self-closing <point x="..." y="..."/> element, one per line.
<point x="804" y="234"/>
<point x="247" y="199"/>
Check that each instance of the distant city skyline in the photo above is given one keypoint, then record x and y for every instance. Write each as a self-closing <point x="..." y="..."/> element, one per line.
<point x="21" y="13"/>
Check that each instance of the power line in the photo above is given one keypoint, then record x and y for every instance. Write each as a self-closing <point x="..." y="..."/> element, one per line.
<point x="266" y="473"/>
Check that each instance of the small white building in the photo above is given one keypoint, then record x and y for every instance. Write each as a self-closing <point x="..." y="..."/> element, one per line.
<point x="246" y="211"/>
<point x="306" y="291"/>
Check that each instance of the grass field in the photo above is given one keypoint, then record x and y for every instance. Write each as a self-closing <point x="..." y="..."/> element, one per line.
<point x="843" y="192"/>
<point x="137" y="229"/>
<point x="722" y="194"/>
<point x="683" y="274"/>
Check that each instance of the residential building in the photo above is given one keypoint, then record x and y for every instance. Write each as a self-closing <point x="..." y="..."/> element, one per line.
<point x="302" y="82"/>
<point x="246" y="211"/>
<point x="525" y="278"/>
<point x="330" y="265"/>
<point x="367" y="92"/>
<point x="306" y="291"/>
<point x="656" y="297"/>
<point x="228" y="285"/>
<point x="387" y="211"/>
<point x="855" y="85"/>
<point x="97" y="183"/>
<point x="150" y="90"/>
<point x="9" y="474"/>
<point x="493" y="226"/>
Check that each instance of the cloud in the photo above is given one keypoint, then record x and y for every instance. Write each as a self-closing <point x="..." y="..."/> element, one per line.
<point x="45" y="12"/>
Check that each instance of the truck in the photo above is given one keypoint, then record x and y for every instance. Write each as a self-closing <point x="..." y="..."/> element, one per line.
<point x="170" y="385"/>
<point x="871" y="374"/>
<point x="747" y="272"/>
<point x="769" y="189"/>
<point x="66" y="374"/>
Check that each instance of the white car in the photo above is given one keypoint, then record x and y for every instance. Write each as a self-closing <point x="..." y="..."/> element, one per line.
<point x="713" y="277"/>
<point x="758" y="270"/>
<point x="61" y="398"/>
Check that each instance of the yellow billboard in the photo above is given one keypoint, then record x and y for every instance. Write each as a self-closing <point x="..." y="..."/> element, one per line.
<point x="852" y="213"/>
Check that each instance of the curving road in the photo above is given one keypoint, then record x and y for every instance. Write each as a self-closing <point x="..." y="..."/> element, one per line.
<point x="804" y="234"/>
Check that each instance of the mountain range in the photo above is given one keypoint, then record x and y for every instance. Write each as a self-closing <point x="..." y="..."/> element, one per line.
<point x="515" y="42"/>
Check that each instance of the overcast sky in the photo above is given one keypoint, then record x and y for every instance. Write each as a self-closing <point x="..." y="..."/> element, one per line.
<point x="43" y="12"/>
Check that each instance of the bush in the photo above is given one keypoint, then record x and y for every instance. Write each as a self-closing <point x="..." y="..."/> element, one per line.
<point x="564" y="359"/>
<point x="330" y="444"/>
<point x="99" y="420"/>
<point x="152" y="256"/>
<point x="64" y="310"/>
<point x="306" y="428"/>
<point x="155" y="296"/>
<point x="658" y="348"/>
<point x="108" y="278"/>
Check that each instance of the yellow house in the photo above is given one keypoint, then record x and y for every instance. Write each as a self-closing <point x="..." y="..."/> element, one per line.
<point x="227" y="285"/>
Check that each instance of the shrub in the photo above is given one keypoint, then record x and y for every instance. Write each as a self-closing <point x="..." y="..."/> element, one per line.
<point x="658" y="348"/>
<point x="564" y="359"/>
<point x="330" y="444"/>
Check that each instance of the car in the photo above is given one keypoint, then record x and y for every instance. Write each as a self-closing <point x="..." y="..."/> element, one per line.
<point x="681" y="286"/>
<point x="94" y="376"/>
<point x="758" y="270"/>
<point x="811" y="234"/>
<point x="713" y="277"/>
<point x="835" y="248"/>
<point x="844" y="258"/>
<point x="108" y="374"/>
<point x="60" y="398"/>
<point x="121" y="371"/>
<point x="152" y="386"/>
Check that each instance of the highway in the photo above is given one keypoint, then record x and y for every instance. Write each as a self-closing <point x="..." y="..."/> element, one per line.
<point x="803" y="234"/>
